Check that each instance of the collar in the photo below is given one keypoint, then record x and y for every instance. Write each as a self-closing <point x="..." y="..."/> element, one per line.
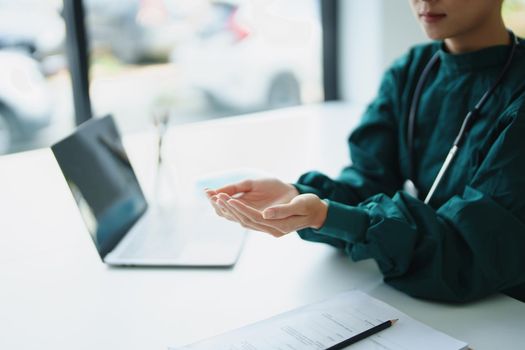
<point x="475" y="60"/>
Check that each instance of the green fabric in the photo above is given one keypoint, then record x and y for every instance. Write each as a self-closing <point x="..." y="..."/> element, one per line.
<point x="469" y="241"/>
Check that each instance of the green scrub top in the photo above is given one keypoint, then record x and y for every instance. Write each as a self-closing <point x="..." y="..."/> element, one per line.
<point x="469" y="241"/>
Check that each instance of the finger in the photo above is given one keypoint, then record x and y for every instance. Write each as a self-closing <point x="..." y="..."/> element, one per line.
<point x="254" y="217"/>
<point x="286" y="225"/>
<point x="281" y="211"/>
<point x="231" y="212"/>
<point x="213" y="200"/>
<point x="222" y="213"/>
<point x="251" y="213"/>
<point x="243" y="186"/>
<point x="222" y="210"/>
<point x="300" y="205"/>
<point x="210" y="193"/>
<point x="222" y="199"/>
<point x="247" y="222"/>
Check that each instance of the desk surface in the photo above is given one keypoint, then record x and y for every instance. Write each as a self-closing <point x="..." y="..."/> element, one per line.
<point x="56" y="294"/>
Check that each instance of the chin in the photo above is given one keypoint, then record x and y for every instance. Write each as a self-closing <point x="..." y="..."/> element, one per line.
<point x="434" y="36"/>
<point x="435" y="33"/>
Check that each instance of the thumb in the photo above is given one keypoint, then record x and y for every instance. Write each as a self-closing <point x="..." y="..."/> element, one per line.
<point x="280" y="211"/>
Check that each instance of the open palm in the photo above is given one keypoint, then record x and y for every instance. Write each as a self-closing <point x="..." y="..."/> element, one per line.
<point x="259" y="194"/>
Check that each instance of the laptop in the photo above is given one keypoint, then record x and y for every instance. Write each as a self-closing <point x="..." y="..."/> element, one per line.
<point x="125" y="229"/>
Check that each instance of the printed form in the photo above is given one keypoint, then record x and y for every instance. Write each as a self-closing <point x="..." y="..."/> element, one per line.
<point x="321" y="325"/>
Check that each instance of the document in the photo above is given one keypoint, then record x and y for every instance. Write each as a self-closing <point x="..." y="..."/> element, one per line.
<point x="326" y="323"/>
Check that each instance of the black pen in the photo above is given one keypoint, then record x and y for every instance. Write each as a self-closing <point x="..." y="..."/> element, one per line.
<point x="362" y="335"/>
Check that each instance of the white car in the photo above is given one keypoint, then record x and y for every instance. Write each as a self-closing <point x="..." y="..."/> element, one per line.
<point x="243" y="70"/>
<point x="133" y="31"/>
<point x="25" y="102"/>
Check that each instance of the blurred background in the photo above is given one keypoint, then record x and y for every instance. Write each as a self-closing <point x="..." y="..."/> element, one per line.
<point x="195" y="59"/>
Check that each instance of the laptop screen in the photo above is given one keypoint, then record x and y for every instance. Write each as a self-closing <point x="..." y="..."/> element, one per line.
<point x="99" y="174"/>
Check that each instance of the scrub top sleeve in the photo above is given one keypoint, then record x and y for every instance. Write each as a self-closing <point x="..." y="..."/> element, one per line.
<point x="343" y="226"/>
<point x="470" y="247"/>
<point x="373" y="149"/>
<point x="303" y="188"/>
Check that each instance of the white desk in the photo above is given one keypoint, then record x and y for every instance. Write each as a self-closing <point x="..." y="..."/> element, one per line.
<point x="56" y="294"/>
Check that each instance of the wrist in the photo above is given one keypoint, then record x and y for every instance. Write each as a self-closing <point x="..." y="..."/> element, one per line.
<point x="322" y="213"/>
<point x="292" y="192"/>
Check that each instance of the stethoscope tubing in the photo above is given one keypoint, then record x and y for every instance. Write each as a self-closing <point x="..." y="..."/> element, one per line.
<point x="467" y="121"/>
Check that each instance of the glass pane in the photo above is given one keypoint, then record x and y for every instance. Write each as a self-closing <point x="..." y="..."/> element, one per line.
<point x="201" y="59"/>
<point x="35" y="90"/>
<point x="514" y="16"/>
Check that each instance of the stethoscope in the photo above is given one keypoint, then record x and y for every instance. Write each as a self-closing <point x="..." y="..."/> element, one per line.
<point x="470" y="118"/>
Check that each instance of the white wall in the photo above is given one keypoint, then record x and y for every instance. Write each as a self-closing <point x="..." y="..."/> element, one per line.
<point x="372" y="34"/>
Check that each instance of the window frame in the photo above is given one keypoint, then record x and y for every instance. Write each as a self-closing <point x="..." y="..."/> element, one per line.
<point x="77" y="52"/>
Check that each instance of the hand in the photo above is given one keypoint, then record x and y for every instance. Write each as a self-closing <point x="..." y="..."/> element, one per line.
<point x="258" y="194"/>
<point x="305" y="210"/>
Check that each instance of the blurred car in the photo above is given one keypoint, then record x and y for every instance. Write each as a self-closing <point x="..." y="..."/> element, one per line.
<point x="37" y="27"/>
<point x="132" y="31"/>
<point x="25" y="102"/>
<point x="240" y="69"/>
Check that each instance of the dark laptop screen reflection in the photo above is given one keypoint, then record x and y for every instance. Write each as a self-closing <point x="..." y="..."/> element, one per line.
<point x="100" y="176"/>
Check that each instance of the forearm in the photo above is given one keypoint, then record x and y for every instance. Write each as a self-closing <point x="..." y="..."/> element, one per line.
<point x="453" y="254"/>
<point x="350" y="188"/>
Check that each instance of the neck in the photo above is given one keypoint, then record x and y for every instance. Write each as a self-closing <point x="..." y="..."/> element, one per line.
<point x="490" y="34"/>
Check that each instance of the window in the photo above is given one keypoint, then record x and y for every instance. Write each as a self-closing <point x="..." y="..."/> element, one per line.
<point x="35" y="90"/>
<point x="514" y="16"/>
<point x="193" y="59"/>
<point x="201" y="59"/>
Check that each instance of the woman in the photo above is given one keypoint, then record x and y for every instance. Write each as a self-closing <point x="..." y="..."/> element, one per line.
<point x="468" y="241"/>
